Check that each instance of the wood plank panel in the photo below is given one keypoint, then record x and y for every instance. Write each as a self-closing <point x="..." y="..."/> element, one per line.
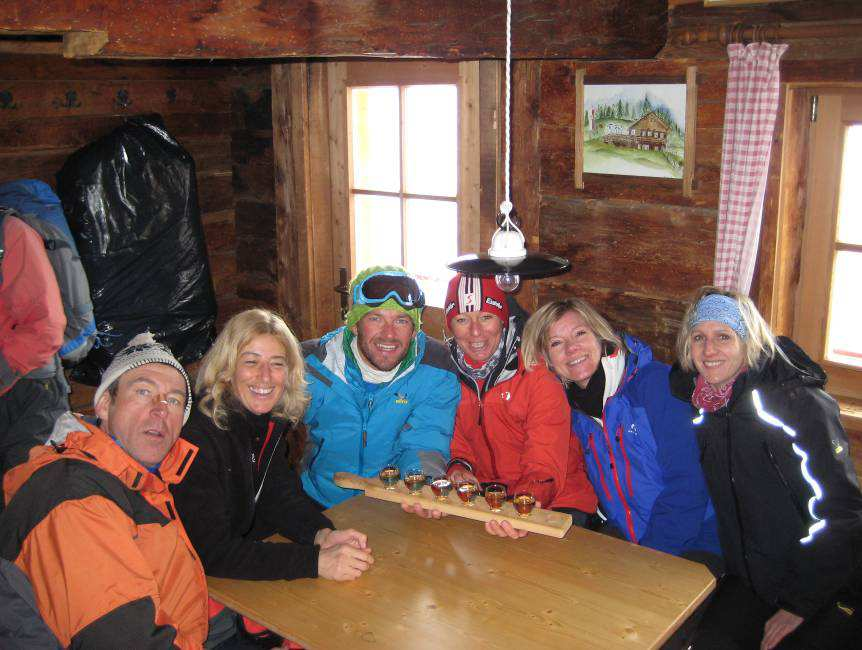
<point x="253" y="29"/>
<point x="630" y="246"/>
<point x="28" y="99"/>
<point x="76" y="131"/>
<point x="53" y="68"/>
<point x="654" y="320"/>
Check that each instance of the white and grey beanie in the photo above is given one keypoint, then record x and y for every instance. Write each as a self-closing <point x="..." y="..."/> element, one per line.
<point x="141" y="350"/>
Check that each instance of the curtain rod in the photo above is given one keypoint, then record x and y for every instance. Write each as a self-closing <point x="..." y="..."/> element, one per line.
<point x="742" y="33"/>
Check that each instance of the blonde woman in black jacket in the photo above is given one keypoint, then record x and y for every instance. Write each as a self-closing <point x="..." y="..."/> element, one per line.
<point x="243" y="486"/>
<point x="777" y="465"/>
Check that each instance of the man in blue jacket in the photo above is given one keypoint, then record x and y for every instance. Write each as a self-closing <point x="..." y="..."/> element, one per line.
<point x="382" y="392"/>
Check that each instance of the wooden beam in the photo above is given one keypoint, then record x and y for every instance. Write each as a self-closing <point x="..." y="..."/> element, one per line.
<point x="446" y="29"/>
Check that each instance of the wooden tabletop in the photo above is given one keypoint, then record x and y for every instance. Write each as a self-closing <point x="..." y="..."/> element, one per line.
<point x="448" y="584"/>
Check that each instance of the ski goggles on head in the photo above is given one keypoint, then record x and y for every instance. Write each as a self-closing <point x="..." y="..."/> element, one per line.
<point x="380" y="287"/>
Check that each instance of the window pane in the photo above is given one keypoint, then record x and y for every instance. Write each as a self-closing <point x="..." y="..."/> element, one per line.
<point x="431" y="138"/>
<point x="432" y="242"/>
<point x="843" y="343"/>
<point x="377" y="230"/>
<point x="850" y="199"/>
<point x="374" y="139"/>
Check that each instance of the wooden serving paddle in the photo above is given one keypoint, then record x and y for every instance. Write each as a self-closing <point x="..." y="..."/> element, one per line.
<point x="544" y="522"/>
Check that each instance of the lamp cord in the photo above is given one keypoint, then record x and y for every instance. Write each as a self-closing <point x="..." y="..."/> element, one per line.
<point x="506" y="205"/>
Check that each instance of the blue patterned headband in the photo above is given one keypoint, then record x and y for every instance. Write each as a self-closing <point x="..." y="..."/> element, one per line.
<point x="721" y="309"/>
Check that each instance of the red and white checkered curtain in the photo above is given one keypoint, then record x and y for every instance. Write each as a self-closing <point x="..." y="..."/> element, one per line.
<point x="749" y="119"/>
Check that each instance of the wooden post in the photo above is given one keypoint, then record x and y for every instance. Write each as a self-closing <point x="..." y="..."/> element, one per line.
<point x="690" y="129"/>
<point x="579" y="129"/>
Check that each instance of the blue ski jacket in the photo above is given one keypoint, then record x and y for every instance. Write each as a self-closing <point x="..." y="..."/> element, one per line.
<point x="406" y="422"/>
<point x="643" y="461"/>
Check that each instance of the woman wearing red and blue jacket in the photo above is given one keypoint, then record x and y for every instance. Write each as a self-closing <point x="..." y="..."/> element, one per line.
<point x="639" y="446"/>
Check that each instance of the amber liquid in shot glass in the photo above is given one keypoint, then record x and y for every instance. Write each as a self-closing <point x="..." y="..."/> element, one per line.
<point x="441" y="486"/>
<point x="414" y="482"/>
<point x="495" y="495"/>
<point x="389" y="476"/>
<point x="524" y="503"/>
<point x="467" y="492"/>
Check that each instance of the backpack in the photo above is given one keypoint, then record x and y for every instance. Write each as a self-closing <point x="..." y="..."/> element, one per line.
<point x="80" y="331"/>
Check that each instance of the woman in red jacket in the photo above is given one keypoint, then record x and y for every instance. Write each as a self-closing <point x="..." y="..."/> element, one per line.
<point x="513" y="425"/>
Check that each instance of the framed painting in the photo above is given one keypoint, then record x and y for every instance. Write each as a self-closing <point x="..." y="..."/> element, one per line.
<point x="636" y="129"/>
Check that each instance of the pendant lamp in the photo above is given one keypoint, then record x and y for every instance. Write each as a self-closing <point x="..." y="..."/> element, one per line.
<point x="507" y="259"/>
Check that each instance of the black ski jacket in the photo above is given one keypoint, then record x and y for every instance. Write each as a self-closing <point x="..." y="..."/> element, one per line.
<point x="779" y="472"/>
<point x="240" y="490"/>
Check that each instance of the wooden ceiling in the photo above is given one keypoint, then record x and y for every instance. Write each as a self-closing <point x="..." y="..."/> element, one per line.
<point x="239" y="29"/>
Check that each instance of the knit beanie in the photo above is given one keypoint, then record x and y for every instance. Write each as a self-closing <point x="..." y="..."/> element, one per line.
<point x="358" y="310"/>
<point x="468" y="293"/>
<point x="141" y="350"/>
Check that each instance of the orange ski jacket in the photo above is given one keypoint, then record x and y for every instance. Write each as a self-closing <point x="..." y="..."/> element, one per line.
<point x="98" y="537"/>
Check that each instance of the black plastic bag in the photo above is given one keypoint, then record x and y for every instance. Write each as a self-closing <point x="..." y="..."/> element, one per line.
<point x="131" y="201"/>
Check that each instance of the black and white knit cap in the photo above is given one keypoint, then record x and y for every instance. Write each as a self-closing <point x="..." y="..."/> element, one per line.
<point x="141" y="350"/>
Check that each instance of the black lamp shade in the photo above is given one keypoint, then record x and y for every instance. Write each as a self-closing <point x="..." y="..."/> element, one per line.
<point x="534" y="265"/>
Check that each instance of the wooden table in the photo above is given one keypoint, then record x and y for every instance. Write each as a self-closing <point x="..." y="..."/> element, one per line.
<point x="448" y="584"/>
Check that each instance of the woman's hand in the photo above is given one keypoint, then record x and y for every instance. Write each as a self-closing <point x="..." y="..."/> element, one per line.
<point x="418" y="509"/>
<point x="327" y="538"/>
<point x="777" y="627"/>
<point x="504" y="529"/>
<point x="343" y="562"/>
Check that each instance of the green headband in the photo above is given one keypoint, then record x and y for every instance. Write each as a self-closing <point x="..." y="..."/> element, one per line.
<point x="356" y="312"/>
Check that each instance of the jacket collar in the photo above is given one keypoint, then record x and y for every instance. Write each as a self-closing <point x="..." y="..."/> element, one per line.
<point x="96" y="446"/>
<point x="330" y="354"/>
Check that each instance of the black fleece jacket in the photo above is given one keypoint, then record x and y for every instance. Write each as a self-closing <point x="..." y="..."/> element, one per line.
<point x="216" y="501"/>
<point x="762" y="455"/>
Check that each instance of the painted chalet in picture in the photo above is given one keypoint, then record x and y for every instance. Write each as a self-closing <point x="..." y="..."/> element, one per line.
<point x="648" y="133"/>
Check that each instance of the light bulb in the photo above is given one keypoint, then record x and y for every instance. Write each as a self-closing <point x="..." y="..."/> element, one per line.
<point x="508" y="281"/>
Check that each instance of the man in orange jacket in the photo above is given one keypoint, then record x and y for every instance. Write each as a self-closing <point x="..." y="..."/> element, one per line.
<point x="90" y="539"/>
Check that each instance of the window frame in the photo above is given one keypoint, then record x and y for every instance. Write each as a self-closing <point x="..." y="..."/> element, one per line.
<point x="465" y="75"/>
<point x="375" y="74"/>
<point x="836" y="108"/>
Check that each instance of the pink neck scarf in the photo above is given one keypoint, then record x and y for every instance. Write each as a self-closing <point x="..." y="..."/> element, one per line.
<point x="709" y="398"/>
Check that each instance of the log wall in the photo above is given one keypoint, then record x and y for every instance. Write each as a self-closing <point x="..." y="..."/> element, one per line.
<point x="220" y="113"/>
<point x="638" y="246"/>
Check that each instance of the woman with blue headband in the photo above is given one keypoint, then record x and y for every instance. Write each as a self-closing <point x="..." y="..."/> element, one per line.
<point x="777" y="464"/>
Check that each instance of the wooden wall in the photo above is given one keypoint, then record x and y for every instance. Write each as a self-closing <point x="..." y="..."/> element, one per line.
<point x="253" y="277"/>
<point x="638" y="247"/>
<point x="220" y="113"/>
<point x="50" y="106"/>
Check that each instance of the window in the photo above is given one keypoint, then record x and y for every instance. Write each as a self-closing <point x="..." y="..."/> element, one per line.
<point x="403" y="145"/>
<point x="411" y="155"/>
<point x="392" y="192"/>
<point x="828" y="309"/>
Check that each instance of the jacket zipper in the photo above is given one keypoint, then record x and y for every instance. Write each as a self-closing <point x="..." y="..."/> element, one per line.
<point x="481" y="395"/>
<point x="799" y="509"/>
<point x="729" y="446"/>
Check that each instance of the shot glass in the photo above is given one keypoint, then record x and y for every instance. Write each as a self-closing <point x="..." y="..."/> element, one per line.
<point x="441" y="486"/>
<point x="495" y="495"/>
<point x="414" y="479"/>
<point x="524" y="503"/>
<point x="389" y="476"/>
<point x="467" y="492"/>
